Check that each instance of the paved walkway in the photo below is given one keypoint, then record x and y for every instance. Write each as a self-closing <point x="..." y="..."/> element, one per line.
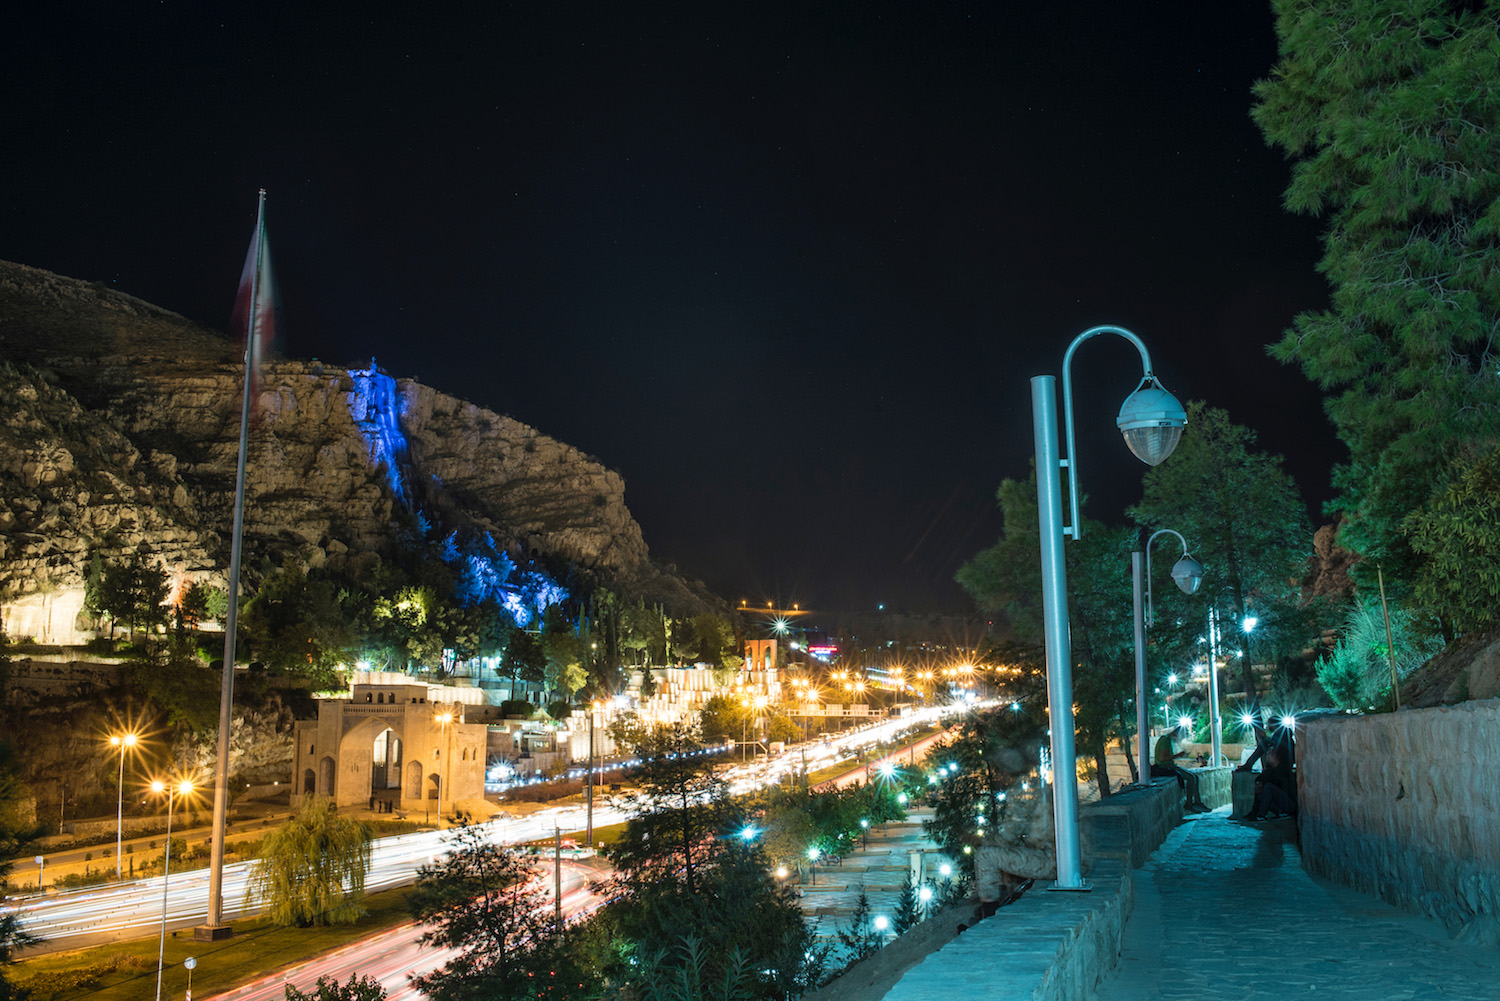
<point x="1225" y="909"/>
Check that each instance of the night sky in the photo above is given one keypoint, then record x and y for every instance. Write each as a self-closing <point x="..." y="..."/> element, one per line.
<point x="787" y="266"/>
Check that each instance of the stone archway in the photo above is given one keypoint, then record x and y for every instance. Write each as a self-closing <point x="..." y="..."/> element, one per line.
<point x="309" y="783"/>
<point x="385" y="761"/>
<point x="327" y="770"/>
<point x="413" y="789"/>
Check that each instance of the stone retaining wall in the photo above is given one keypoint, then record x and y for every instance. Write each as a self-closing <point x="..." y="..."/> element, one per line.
<point x="1405" y="806"/>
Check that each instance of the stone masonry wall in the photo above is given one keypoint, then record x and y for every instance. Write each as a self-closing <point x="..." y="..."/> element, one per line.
<point x="1405" y="806"/>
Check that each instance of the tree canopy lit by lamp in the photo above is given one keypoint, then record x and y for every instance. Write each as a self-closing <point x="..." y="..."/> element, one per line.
<point x="1151" y="420"/>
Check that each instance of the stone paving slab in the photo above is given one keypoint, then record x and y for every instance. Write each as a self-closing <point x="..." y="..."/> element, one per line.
<point x="1225" y="909"/>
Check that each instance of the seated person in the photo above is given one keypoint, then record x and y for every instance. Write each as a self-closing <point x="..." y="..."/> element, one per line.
<point x="1276" y="786"/>
<point x="1164" y="763"/>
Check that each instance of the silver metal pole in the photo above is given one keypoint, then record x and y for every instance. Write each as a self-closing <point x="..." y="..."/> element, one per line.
<point x="1055" y="618"/>
<point x="1215" y="725"/>
<point x="120" y="814"/>
<point x="161" y="948"/>
<point x="1142" y="721"/>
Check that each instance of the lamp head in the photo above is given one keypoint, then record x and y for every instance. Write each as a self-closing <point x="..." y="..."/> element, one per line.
<point x="1187" y="574"/>
<point x="1152" y="421"/>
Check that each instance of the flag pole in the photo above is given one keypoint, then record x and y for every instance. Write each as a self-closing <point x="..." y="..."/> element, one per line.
<point x="215" y="928"/>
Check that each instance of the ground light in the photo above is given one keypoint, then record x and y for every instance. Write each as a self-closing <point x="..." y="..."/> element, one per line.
<point x="1151" y="421"/>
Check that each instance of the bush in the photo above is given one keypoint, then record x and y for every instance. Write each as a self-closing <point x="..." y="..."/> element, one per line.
<point x="516" y="707"/>
<point x="543" y="792"/>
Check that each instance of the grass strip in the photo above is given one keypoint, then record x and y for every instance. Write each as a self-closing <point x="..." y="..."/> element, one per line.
<point x="126" y="971"/>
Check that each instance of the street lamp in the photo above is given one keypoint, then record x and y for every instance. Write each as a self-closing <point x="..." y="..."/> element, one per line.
<point x="122" y="741"/>
<point x="174" y="789"/>
<point x="1187" y="574"/>
<point x="1151" y="421"/>
<point x="443" y="719"/>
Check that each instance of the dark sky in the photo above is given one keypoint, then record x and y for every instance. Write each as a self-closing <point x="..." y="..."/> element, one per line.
<point x="787" y="266"/>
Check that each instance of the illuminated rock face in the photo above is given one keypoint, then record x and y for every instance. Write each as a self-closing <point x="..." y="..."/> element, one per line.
<point x="122" y="430"/>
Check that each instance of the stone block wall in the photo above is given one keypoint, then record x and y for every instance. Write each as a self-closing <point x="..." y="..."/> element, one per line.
<point x="1405" y="806"/>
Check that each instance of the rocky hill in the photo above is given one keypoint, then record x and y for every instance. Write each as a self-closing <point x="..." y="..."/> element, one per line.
<point x="122" y="433"/>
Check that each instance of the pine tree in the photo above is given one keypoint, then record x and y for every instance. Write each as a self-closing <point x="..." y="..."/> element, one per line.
<point x="1391" y="111"/>
<point x="908" y="910"/>
<point x="488" y="902"/>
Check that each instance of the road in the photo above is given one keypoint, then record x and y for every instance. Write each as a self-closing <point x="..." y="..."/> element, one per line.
<point x="393" y="957"/>
<point x="133" y="909"/>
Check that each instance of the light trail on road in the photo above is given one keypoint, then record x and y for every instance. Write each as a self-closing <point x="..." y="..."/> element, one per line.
<point x="134" y="909"/>
<point x="393" y="957"/>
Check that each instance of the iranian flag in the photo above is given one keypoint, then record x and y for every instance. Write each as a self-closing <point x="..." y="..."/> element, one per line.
<point x="254" y="320"/>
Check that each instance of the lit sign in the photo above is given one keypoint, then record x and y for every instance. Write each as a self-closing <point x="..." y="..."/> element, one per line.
<point x="824" y="650"/>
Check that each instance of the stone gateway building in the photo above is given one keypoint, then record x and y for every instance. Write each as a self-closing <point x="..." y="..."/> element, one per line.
<point x="389" y="744"/>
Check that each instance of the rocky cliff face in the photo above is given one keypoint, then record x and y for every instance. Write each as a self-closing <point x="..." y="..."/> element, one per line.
<point x="122" y="436"/>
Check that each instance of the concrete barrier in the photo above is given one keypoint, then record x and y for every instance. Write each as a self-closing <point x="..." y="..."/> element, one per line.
<point x="1056" y="945"/>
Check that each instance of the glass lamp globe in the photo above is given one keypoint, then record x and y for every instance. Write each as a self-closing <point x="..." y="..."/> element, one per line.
<point x="1187" y="574"/>
<point x="1152" y="421"/>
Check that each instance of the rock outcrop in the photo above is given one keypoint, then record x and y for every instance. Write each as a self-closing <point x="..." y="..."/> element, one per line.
<point x="122" y="436"/>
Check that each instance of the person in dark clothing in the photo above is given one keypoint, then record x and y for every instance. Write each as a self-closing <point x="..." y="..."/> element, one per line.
<point x="1276" y="787"/>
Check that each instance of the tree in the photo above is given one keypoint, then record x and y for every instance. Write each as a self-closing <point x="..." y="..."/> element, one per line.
<point x="722" y="718"/>
<point x="861" y="938"/>
<point x="908" y="908"/>
<point x="1356" y="674"/>
<point x="488" y="902"/>
<point x="329" y="989"/>
<point x="1457" y="534"/>
<point x="523" y="659"/>
<point x="17" y="831"/>
<point x="1391" y="114"/>
<point x="684" y="870"/>
<point x="1005" y="579"/>
<point x="311" y="870"/>
<point x="295" y="623"/>
<point x="992" y="751"/>
<point x="132" y="592"/>
<point x="1242" y="518"/>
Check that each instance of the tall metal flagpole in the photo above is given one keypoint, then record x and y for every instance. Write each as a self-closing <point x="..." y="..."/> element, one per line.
<point x="215" y="927"/>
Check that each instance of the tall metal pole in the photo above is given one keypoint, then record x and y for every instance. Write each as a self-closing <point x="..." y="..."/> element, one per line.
<point x="557" y="873"/>
<point x="120" y="812"/>
<point x="1142" y="721"/>
<point x="589" y="789"/>
<point x="215" y="928"/>
<point x="1055" y="618"/>
<point x="166" y="875"/>
<point x="1215" y="725"/>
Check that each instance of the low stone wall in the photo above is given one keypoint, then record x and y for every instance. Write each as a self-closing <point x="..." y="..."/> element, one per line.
<point x="1215" y="785"/>
<point x="1056" y="945"/>
<point x="1403" y="806"/>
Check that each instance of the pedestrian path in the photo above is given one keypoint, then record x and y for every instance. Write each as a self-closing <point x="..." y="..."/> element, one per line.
<point x="1225" y="909"/>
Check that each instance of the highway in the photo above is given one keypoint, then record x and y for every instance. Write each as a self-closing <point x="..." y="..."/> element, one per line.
<point x="133" y="909"/>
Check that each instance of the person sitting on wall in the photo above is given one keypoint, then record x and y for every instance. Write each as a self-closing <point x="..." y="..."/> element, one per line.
<point x="1164" y="764"/>
<point x="1276" y="786"/>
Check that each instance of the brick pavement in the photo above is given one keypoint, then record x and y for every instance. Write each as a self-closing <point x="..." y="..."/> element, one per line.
<point x="1242" y="919"/>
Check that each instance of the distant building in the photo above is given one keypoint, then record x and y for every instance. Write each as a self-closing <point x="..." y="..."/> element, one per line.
<point x="387" y="743"/>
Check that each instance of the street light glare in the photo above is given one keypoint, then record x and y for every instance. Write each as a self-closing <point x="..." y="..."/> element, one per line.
<point x="1151" y="420"/>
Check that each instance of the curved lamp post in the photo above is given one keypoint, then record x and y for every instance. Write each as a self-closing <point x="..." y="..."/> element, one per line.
<point x="1151" y="420"/>
<point x="1187" y="574"/>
